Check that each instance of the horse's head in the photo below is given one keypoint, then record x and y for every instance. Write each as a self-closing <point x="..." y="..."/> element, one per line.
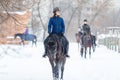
<point x="52" y="45"/>
<point x="15" y="36"/>
<point x="87" y="37"/>
<point x="87" y="40"/>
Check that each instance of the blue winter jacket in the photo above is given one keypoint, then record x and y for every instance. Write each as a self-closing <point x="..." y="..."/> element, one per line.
<point x="56" y="25"/>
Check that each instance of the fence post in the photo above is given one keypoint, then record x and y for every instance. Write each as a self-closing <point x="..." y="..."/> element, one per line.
<point x="119" y="45"/>
<point x="116" y="44"/>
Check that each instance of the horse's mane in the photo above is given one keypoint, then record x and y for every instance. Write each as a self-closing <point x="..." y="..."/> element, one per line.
<point x="53" y="38"/>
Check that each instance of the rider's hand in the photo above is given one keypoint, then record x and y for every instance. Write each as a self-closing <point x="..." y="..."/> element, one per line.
<point x="50" y="34"/>
<point x="61" y="34"/>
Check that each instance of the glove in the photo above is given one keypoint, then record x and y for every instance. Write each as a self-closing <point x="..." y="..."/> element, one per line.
<point x="61" y="34"/>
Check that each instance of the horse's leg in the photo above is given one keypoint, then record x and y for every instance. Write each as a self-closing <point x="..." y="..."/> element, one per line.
<point x="22" y="42"/>
<point x="89" y="52"/>
<point x="94" y="44"/>
<point x="78" y="46"/>
<point x="62" y="67"/>
<point x="93" y="47"/>
<point x="85" y="52"/>
<point x="62" y="71"/>
<point x="81" y="52"/>
<point x="35" y="43"/>
<point x="32" y="43"/>
<point x="56" y="70"/>
<point x="52" y="65"/>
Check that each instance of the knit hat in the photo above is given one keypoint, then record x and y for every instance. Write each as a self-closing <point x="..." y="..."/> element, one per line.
<point x="56" y="9"/>
<point x="85" y="20"/>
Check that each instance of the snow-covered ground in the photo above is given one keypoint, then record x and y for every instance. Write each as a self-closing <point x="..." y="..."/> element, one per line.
<point x="26" y="63"/>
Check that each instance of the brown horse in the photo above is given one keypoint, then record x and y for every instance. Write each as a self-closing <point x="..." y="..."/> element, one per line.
<point x="55" y="53"/>
<point x="88" y="42"/>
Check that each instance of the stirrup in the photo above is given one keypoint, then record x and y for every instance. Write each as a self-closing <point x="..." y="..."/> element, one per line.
<point x="67" y="55"/>
<point x="44" y="55"/>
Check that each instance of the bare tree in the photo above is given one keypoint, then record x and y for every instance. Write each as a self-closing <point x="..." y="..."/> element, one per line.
<point x="8" y="6"/>
<point x="81" y="4"/>
<point x="94" y="9"/>
<point x="98" y="8"/>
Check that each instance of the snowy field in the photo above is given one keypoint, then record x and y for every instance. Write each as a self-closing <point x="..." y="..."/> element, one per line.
<point x="26" y="63"/>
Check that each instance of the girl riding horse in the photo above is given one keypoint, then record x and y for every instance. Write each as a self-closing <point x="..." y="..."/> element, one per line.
<point x="56" y="44"/>
<point x="56" y="26"/>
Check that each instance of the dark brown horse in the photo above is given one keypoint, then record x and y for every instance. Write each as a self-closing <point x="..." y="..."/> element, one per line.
<point x="88" y="42"/>
<point x="55" y="53"/>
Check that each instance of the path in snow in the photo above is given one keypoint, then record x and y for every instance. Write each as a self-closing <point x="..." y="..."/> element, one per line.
<point x="28" y="64"/>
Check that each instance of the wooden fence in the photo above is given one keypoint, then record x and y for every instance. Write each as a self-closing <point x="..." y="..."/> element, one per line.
<point x="110" y="42"/>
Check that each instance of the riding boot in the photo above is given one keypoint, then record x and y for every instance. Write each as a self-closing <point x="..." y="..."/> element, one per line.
<point x="65" y="45"/>
<point x="45" y="54"/>
<point x="95" y="43"/>
<point x="82" y="42"/>
<point x="66" y="54"/>
<point x="45" y="41"/>
<point x="66" y="51"/>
